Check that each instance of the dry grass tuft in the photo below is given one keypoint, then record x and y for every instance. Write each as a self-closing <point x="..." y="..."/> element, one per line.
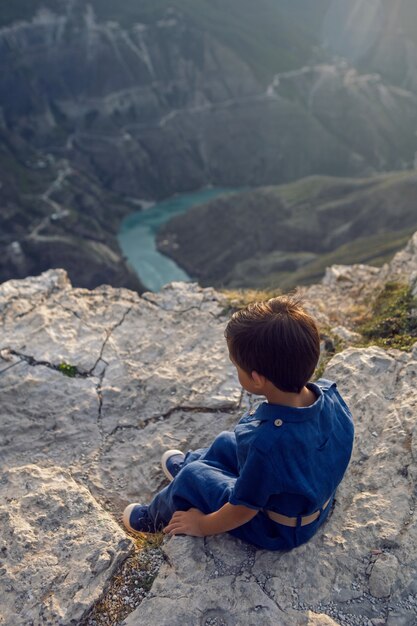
<point x="239" y="298"/>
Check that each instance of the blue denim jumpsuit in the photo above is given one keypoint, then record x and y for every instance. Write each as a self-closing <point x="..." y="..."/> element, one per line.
<point x="279" y="458"/>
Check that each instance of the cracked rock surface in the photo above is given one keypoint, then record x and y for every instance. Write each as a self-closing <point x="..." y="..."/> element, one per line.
<point x="144" y="374"/>
<point x="361" y="566"/>
<point x="151" y="372"/>
<point x="58" y="547"/>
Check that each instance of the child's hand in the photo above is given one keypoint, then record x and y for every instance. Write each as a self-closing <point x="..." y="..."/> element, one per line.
<point x="185" y="523"/>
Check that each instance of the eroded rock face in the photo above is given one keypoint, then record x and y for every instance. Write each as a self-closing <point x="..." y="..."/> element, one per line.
<point x="142" y="361"/>
<point x="147" y="374"/>
<point x="220" y="244"/>
<point x="142" y="108"/>
<point x="58" y="547"/>
<point x="405" y="263"/>
<point x="151" y="373"/>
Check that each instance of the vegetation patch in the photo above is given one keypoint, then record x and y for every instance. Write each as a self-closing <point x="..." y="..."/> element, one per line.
<point x="237" y="299"/>
<point x="371" y="250"/>
<point x="392" y="322"/>
<point x="68" y="370"/>
<point x="330" y="345"/>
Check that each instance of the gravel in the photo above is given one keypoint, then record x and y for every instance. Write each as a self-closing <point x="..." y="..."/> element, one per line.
<point x="130" y="585"/>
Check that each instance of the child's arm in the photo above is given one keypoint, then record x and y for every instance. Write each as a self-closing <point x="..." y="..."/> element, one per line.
<point x="195" y="523"/>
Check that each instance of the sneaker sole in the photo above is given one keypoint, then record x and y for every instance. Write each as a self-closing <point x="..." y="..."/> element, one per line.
<point x="126" y="516"/>
<point x="164" y="458"/>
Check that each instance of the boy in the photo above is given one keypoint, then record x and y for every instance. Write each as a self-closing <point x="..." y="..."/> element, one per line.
<point x="271" y="481"/>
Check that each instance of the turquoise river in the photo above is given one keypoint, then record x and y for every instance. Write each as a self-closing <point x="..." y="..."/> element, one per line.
<point x="138" y="231"/>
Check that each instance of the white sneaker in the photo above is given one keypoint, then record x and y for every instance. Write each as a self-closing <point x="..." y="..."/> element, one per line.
<point x="172" y="461"/>
<point x="135" y="517"/>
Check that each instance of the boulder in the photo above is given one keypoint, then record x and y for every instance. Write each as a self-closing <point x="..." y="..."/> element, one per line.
<point x="58" y="547"/>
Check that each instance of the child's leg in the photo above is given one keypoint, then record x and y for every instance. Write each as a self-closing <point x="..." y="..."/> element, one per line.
<point x="198" y="484"/>
<point x="205" y="482"/>
<point x="221" y="454"/>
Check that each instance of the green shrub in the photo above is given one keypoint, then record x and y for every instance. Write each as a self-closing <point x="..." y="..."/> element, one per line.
<point x="393" y="321"/>
<point x="68" y="370"/>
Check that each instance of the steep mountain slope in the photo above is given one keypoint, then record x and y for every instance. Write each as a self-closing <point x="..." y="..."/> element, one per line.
<point x="40" y="228"/>
<point x="288" y="234"/>
<point x="274" y="35"/>
<point x="286" y="42"/>
<point x="79" y="85"/>
<point x="377" y="35"/>
<point x="63" y="74"/>
<point x="146" y="99"/>
<point x="162" y="108"/>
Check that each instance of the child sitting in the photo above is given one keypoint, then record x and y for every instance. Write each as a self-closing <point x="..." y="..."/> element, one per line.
<point x="272" y="480"/>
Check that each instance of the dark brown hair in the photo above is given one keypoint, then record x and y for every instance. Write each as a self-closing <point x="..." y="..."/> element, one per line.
<point x="277" y="339"/>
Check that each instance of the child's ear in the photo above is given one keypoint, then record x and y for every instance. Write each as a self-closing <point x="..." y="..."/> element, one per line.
<point x="258" y="379"/>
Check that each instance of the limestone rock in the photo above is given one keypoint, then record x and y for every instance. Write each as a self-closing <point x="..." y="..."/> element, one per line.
<point x="373" y="510"/>
<point x="58" y="547"/>
<point x="151" y="373"/>
<point x="404" y="262"/>
<point x="190" y="586"/>
<point x="346" y="290"/>
<point x="383" y="575"/>
<point x="46" y="414"/>
<point x="159" y="361"/>
<point x="346" y="335"/>
<point x="349" y="275"/>
<point x="318" y="619"/>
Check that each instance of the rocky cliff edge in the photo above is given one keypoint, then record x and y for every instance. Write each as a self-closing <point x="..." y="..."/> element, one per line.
<point x="95" y="385"/>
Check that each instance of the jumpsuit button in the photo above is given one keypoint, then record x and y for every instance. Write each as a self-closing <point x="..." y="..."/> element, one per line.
<point x="278" y="422"/>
